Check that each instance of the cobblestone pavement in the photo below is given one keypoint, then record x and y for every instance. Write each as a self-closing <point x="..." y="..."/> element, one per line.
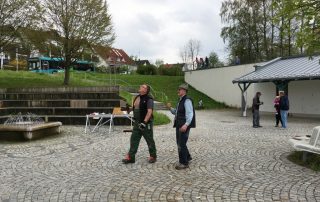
<point x="231" y="162"/>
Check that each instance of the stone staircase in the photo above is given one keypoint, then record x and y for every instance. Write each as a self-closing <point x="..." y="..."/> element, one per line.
<point x="66" y="104"/>
<point x="159" y="106"/>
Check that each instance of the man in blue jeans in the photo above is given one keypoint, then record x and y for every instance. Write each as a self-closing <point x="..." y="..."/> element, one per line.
<point x="284" y="108"/>
<point x="183" y="121"/>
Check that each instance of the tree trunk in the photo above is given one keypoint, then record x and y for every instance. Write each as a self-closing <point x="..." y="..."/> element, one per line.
<point x="281" y="37"/>
<point x="289" y="38"/>
<point x="66" y="76"/>
<point x="266" y="49"/>
<point x="272" y="32"/>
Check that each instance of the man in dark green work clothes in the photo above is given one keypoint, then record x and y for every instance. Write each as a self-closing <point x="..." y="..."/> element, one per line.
<point x="143" y="125"/>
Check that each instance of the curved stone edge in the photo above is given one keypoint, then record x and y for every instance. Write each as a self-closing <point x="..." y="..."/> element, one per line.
<point x="33" y="131"/>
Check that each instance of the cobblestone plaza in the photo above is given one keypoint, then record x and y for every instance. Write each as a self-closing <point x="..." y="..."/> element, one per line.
<point x="231" y="162"/>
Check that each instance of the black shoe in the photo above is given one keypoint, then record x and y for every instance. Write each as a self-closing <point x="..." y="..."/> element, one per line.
<point x="190" y="159"/>
<point x="181" y="166"/>
<point x="255" y="126"/>
<point x="276" y="126"/>
<point x="127" y="160"/>
<point x="260" y="126"/>
<point x="152" y="159"/>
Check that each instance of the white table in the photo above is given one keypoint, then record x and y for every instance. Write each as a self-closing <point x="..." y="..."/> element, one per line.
<point x="105" y="119"/>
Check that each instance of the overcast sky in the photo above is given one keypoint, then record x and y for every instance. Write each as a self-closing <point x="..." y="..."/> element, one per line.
<point x="158" y="29"/>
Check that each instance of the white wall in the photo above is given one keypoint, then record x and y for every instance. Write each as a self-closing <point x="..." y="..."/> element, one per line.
<point x="304" y="97"/>
<point x="217" y="83"/>
<point x="268" y="91"/>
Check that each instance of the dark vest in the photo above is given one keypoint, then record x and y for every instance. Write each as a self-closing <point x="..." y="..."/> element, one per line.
<point x="180" y="118"/>
<point x="143" y="106"/>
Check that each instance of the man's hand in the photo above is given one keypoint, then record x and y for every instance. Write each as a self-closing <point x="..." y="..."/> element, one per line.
<point x="169" y="105"/>
<point x="142" y="126"/>
<point x="183" y="128"/>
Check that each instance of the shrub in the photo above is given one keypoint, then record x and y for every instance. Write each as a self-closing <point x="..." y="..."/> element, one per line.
<point x="175" y="70"/>
<point x="147" y="70"/>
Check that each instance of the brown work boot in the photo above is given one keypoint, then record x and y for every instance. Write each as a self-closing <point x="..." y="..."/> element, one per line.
<point x="127" y="160"/>
<point x="152" y="159"/>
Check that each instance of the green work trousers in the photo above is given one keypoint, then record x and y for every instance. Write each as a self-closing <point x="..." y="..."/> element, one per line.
<point x="136" y="135"/>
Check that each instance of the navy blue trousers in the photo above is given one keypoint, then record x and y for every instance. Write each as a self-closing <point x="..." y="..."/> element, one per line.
<point x="182" y="139"/>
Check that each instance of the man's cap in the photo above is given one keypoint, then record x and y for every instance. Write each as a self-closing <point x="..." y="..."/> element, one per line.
<point x="259" y="93"/>
<point x="183" y="86"/>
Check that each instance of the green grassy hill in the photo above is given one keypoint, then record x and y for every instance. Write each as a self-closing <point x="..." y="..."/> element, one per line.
<point x="164" y="87"/>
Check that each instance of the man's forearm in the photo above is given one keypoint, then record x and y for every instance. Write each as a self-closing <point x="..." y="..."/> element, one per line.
<point x="148" y="116"/>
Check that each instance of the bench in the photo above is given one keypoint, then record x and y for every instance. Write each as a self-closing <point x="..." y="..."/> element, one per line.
<point x="307" y="144"/>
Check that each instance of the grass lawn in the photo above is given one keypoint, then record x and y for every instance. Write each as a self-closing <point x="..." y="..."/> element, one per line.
<point x="313" y="160"/>
<point x="164" y="88"/>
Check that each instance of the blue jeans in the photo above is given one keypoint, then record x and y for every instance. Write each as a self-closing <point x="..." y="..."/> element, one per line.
<point x="284" y="117"/>
<point x="256" y="117"/>
<point x="182" y="139"/>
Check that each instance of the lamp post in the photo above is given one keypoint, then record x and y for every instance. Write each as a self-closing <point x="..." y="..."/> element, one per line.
<point x="1" y="58"/>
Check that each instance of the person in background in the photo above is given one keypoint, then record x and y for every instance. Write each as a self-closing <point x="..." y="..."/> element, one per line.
<point x="143" y="125"/>
<point x="255" y="110"/>
<point x="197" y="63"/>
<point x="206" y="62"/>
<point x="237" y="60"/>
<point x="184" y="120"/>
<point x="201" y="63"/>
<point x="284" y="108"/>
<point x="276" y="103"/>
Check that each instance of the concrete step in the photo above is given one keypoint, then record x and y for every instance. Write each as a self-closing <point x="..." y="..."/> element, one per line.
<point x="61" y="103"/>
<point x="67" y="111"/>
<point x="73" y="120"/>
<point x="59" y="96"/>
<point x="159" y="106"/>
<point x="66" y="104"/>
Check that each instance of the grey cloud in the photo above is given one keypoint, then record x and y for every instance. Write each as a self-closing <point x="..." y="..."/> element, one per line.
<point x="156" y="29"/>
<point x="147" y="23"/>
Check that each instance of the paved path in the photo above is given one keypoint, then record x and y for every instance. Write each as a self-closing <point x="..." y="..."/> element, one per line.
<point x="231" y="162"/>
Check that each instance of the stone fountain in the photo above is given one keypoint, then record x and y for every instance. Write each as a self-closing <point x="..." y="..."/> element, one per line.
<point x="30" y="126"/>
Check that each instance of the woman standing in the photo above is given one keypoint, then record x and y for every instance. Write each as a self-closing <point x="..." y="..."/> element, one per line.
<point x="276" y="103"/>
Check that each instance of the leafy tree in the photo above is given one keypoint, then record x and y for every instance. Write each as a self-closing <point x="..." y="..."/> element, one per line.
<point x="244" y="22"/>
<point x="260" y="30"/>
<point x="79" y="25"/>
<point x="14" y="15"/>
<point x="214" y="60"/>
<point x="147" y="70"/>
<point x="134" y="57"/>
<point x="159" y="62"/>
<point x="174" y="70"/>
<point x="307" y="12"/>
